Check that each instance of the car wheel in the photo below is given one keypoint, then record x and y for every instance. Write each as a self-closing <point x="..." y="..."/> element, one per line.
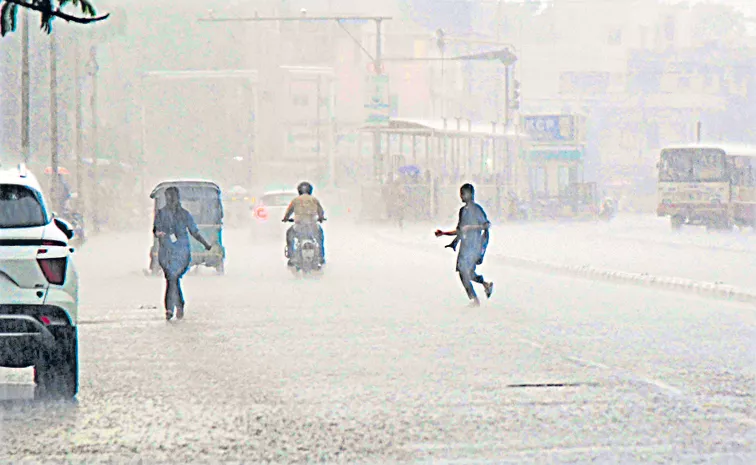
<point x="56" y="372"/>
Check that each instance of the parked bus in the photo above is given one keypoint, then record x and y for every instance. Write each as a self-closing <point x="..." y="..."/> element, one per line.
<point x="708" y="184"/>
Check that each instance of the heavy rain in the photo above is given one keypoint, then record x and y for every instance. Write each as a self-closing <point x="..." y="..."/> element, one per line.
<point x="385" y="231"/>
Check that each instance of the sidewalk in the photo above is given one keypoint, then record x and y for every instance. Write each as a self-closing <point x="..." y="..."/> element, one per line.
<point x="632" y="243"/>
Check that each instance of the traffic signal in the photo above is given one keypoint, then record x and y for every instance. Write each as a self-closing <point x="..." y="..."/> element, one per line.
<point x="515" y="102"/>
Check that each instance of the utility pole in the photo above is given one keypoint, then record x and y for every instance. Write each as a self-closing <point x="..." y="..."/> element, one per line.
<point x="507" y="93"/>
<point x="56" y="202"/>
<point x="378" y="68"/>
<point x="441" y="44"/>
<point x="317" y="116"/>
<point x="95" y="139"/>
<point x="332" y="131"/>
<point x="78" y="129"/>
<point x="25" y="117"/>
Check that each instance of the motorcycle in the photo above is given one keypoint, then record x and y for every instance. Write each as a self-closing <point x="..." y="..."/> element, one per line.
<point x="518" y="209"/>
<point x="306" y="254"/>
<point x="608" y="210"/>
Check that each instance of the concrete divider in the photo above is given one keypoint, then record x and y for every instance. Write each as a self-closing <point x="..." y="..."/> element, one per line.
<point x="704" y="289"/>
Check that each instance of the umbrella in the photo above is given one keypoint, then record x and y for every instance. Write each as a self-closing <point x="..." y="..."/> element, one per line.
<point x="61" y="170"/>
<point x="410" y="170"/>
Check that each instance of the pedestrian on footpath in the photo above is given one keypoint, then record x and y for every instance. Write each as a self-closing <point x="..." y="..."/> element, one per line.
<point x="471" y="234"/>
<point x="172" y="227"/>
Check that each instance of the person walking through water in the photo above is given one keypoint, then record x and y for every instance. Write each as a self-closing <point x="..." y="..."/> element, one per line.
<point x="471" y="234"/>
<point x="172" y="227"/>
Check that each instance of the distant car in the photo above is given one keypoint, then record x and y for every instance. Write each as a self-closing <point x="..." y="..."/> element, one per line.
<point x="38" y="288"/>
<point x="268" y="213"/>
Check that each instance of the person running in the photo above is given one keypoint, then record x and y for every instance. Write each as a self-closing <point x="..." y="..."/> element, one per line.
<point x="172" y="227"/>
<point x="471" y="234"/>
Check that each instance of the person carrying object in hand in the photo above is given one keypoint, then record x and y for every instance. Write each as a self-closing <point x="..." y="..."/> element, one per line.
<point x="173" y="225"/>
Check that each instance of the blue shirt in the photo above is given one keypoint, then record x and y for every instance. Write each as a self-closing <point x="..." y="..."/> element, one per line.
<point x="179" y="222"/>
<point x="476" y="241"/>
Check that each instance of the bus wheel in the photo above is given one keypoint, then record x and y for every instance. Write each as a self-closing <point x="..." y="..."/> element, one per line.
<point x="677" y="222"/>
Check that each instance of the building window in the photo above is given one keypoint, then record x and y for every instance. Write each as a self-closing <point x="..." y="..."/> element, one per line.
<point x="615" y="37"/>
<point x="300" y="100"/>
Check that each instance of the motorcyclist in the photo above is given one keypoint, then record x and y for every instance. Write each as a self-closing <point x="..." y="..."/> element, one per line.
<point x="608" y="209"/>
<point x="307" y="212"/>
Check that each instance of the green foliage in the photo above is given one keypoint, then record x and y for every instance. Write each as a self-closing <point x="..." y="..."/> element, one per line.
<point x="8" y="15"/>
<point x="48" y="11"/>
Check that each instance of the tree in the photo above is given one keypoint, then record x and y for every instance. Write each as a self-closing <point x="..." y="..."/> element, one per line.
<point x="48" y="11"/>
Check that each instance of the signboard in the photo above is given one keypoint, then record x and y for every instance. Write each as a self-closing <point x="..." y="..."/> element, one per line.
<point x="550" y="128"/>
<point x="571" y="154"/>
<point x="377" y="101"/>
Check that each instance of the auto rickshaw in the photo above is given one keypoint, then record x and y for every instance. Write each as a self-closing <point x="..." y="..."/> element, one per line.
<point x="203" y="200"/>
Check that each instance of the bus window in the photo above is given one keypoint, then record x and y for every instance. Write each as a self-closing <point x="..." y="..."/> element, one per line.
<point x="691" y="165"/>
<point x="742" y="171"/>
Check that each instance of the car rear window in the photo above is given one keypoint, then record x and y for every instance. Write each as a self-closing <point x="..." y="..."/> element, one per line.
<point x="277" y="200"/>
<point x="20" y="207"/>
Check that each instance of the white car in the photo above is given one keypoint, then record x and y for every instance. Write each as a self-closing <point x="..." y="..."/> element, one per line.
<point x="268" y="213"/>
<point x="38" y="288"/>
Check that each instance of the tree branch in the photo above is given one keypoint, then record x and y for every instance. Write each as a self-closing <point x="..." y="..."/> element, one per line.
<point x="58" y="13"/>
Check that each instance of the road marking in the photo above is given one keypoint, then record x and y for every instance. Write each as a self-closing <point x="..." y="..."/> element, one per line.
<point x="662" y="386"/>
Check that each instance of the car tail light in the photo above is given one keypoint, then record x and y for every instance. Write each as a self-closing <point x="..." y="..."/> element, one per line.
<point x="54" y="269"/>
<point x="49" y="242"/>
<point x="261" y="213"/>
<point x="44" y="320"/>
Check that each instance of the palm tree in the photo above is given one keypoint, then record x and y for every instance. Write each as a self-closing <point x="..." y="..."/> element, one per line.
<point x="48" y="11"/>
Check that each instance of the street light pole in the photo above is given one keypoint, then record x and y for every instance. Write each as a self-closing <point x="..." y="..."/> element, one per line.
<point x="95" y="139"/>
<point x="25" y="117"/>
<point x="54" y="125"/>
<point x="378" y="161"/>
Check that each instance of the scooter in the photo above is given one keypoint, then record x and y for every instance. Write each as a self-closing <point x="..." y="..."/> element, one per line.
<point x="306" y="254"/>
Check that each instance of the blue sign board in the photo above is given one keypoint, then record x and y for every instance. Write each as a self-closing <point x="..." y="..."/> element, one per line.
<point x="550" y="128"/>
<point x="378" y="102"/>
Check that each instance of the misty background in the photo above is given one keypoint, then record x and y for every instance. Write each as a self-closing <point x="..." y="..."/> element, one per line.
<point x="282" y="101"/>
